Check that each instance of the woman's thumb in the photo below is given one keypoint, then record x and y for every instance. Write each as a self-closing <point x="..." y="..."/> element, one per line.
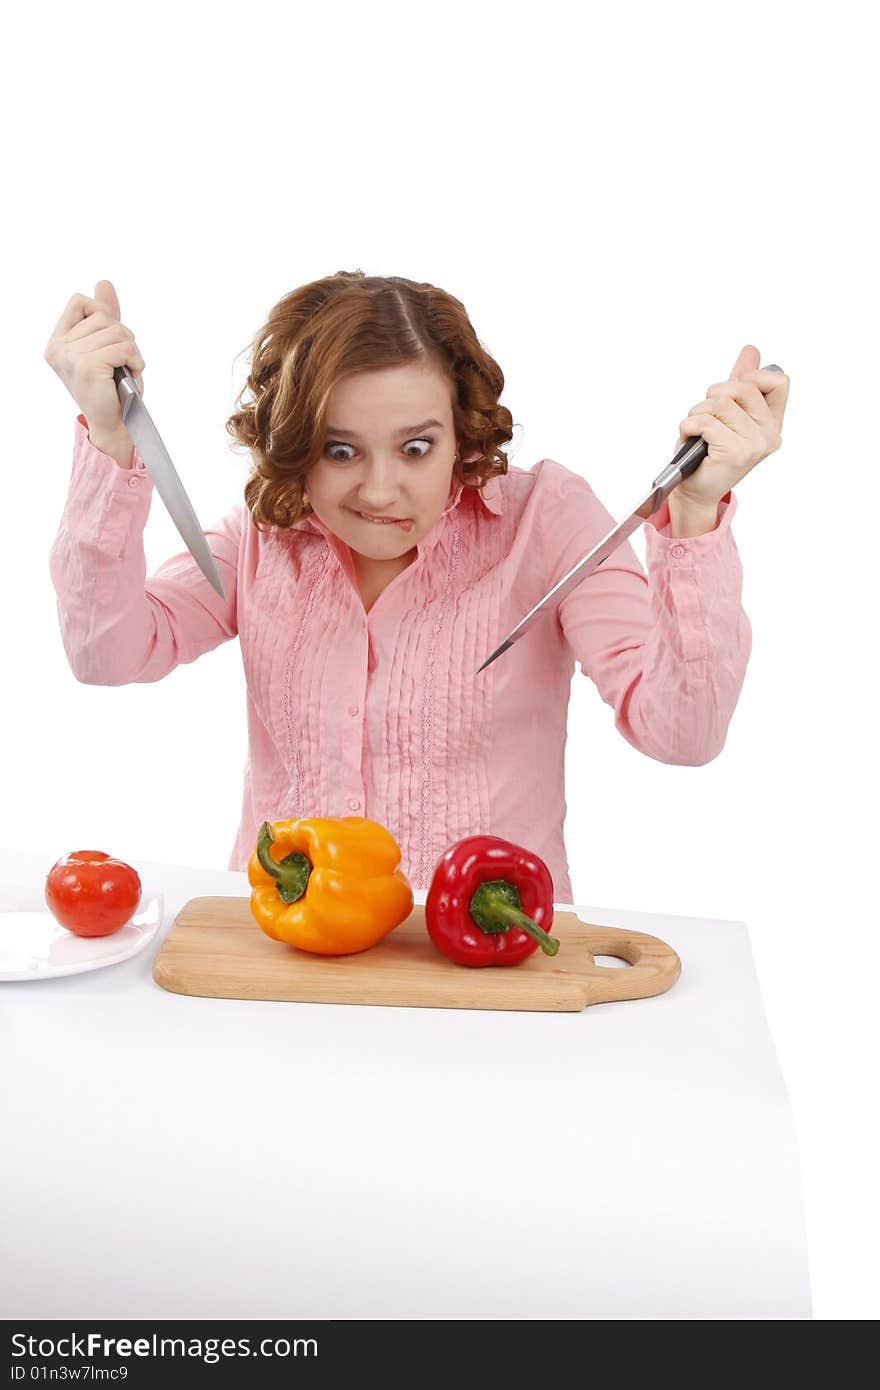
<point x="105" y="295"/>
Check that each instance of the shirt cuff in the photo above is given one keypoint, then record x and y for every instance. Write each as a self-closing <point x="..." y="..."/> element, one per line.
<point x="105" y="502"/>
<point x="675" y="547"/>
<point x="696" y="578"/>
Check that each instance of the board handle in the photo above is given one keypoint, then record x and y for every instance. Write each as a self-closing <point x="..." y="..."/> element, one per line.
<point x="654" y="966"/>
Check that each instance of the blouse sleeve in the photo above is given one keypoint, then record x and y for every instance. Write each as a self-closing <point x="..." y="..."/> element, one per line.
<point x="667" y="650"/>
<point x="117" y="625"/>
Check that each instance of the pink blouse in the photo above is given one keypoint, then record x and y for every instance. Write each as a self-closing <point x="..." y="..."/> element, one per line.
<point x="380" y="713"/>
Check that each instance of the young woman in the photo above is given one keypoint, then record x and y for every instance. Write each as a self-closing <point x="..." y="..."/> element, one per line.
<point x="383" y="548"/>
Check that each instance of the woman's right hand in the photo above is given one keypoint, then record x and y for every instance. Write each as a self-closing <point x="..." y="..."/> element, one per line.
<point x="88" y="343"/>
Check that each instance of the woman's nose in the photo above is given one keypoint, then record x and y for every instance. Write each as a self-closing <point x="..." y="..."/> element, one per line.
<point x="378" y="491"/>
<point x="372" y="500"/>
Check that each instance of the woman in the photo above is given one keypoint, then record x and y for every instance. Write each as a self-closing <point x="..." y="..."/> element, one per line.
<point x="383" y="549"/>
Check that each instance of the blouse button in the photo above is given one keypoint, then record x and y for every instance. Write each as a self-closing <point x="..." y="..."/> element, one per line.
<point x="352" y="709"/>
<point x="134" y="480"/>
<point x="354" y="804"/>
<point x="678" y="551"/>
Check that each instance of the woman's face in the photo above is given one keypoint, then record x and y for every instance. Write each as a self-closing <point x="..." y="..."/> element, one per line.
<point x="389" y="450"/>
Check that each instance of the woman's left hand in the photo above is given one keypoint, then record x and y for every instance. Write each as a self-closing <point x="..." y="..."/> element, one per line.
<point x="741" y="421"/>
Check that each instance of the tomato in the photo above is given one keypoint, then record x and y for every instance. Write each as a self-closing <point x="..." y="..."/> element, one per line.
<point x="92" y="894"/>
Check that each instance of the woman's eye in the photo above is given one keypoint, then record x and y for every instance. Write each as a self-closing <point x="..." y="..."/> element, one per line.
<point x="429" y="442"/>
<point x="330" y="446"/>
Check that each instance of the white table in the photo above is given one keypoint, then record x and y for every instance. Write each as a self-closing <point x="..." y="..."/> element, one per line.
<point x="174" y="1157"/>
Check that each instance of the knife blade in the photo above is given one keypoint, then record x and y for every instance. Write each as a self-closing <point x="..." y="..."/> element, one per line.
<point x="139" y="423"/>
<point x="685" y="462"/>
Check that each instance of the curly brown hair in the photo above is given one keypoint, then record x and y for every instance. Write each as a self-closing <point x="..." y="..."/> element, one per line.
<point x="350" y="322"/>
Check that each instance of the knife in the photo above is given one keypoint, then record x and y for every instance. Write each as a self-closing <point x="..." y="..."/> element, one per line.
<point x="138" y="422"/>
<point x="685" y="462"/>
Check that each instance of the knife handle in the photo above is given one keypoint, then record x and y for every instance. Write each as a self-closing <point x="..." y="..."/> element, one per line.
<point x="126" y="387"/>
<point x="690" y="456"/>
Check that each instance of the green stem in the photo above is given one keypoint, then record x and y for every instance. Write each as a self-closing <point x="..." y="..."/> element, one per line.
<point x="496" y="906"/>
<point x="291" y="873"/>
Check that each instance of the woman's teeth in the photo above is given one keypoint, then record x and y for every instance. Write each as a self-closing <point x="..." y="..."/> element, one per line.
<point x="387" y="521"/>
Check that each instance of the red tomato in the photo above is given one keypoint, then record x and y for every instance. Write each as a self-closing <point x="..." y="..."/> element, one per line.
<point x="91" y="894"/>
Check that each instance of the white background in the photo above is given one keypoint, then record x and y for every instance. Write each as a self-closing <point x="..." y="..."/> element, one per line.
<point x="620" y="206"/>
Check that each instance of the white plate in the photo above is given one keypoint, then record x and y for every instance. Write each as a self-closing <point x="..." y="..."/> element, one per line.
<point x="33" y="946"/>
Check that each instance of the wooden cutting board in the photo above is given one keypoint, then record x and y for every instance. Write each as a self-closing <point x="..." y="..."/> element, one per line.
<point x="216" y="950"/>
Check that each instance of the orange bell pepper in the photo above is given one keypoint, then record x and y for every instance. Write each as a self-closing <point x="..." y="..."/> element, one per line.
<point x="328" y="885"/>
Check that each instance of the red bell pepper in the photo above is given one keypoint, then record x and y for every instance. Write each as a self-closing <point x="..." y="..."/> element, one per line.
<point x="488" y="903"/>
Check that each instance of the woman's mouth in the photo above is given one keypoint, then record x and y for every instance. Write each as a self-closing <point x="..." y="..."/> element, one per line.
<point x="403" y="521"/>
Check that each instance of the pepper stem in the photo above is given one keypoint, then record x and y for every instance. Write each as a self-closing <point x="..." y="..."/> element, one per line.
<point x="291" y="873"/>
<point x="496" y="907"/>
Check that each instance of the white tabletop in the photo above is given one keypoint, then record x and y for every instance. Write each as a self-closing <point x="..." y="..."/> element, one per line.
<point x="177" y="1157"/>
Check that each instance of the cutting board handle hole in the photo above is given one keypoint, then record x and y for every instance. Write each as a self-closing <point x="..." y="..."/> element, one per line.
<point x="611" y="961"/>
